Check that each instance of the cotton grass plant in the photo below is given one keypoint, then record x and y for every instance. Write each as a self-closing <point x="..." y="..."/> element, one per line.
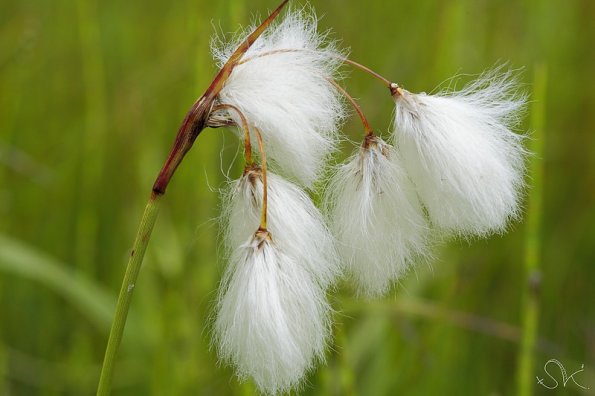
<point x="376" y="216"/>
<point x="469" y="182"/>
<point x="451" y="167"/>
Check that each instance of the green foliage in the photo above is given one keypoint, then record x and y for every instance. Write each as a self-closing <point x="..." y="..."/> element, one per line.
<point x="20" y="260"/>
<point x="91" y="95"/>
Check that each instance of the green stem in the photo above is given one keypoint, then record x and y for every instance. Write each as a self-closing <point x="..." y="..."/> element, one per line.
<point x="194" y="123"/>
<point x="134" y="263"/>
<point x="530" y="310"/>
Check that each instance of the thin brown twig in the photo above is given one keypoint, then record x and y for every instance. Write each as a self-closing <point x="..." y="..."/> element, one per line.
<point x="263" y="166"/>
<point x="389" y="84"/>
<point x="356" y="106"/>
<point x="196" y="118"/>
<point x="245" y="129"/>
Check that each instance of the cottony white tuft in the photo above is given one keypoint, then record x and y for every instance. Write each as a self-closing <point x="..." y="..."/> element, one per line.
<point x="376" y="217"/>
<point x="464" y="160"/>
<point x="273" y="319"/>
<point x="297" y="225"/>
<point x="282" y="89"/>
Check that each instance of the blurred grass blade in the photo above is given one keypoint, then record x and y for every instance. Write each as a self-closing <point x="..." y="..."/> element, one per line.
<point x="20" y="259"/>
<point x="93" y="142"/>
<point x="530" y="309"/>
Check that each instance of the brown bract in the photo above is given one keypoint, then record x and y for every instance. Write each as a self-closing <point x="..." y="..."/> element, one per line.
<point x="196" y="119"/>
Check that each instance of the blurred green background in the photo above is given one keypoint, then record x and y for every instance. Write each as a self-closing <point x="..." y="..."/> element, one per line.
<point x="91" y="95"/>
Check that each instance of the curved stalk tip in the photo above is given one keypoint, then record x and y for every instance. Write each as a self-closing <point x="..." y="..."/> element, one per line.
<point x="245" y="129"/>
<point x="367" y="128"/>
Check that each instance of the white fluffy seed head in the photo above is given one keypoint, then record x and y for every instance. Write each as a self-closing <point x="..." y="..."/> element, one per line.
<point x="297" y="225"/>
<point x="286" y="94"/>
<point x="458" y="148"/>
<point x="376" y="217"/>
<point x="273" y="319"/>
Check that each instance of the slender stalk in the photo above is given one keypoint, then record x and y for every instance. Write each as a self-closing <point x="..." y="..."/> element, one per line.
<point x="245" y="129"/>
<point x="128" y="284"/>
<point x="530" y="311"/>
<point x="389" y="84"/>
<point x="248" y="152"/>
<point x="263" y="167"/>
<point x="355" y="105"/>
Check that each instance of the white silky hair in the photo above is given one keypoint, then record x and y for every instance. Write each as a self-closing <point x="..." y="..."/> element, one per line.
<point x="376" y="217"/>
<point x="296" y="224"/>
<point x="273" y="319"/>
<point x="286" y="94"/>
<point x="467" y="165"/>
